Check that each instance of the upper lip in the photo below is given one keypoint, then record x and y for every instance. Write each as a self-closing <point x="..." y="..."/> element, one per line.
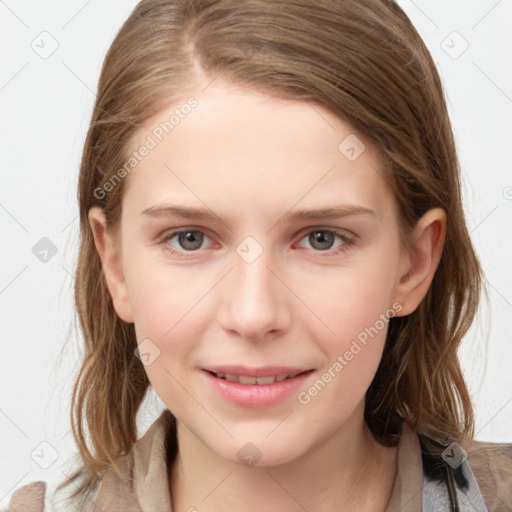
<point x="267" y="371"/>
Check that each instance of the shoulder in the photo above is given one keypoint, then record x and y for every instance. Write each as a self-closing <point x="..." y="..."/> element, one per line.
<point x="40" y="497"/>
<point x="29" y="498"/>
<point x="135" y="477"/>
<point x="492" y="466"/>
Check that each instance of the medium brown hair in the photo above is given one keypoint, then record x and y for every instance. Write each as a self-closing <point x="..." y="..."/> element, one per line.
<point x="365" y="62"/>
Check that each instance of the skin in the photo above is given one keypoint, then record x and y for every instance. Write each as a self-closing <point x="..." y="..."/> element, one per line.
<point x="252" y="159"/>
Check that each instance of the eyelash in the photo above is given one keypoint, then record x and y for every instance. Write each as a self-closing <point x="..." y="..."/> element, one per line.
<point x="348" y="241"/>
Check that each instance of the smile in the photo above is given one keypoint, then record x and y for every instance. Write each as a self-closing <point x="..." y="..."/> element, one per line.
<point x="256" y="391"/>
<point x="246" y="379"/>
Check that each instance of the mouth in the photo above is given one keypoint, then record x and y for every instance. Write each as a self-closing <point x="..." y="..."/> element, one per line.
<point x="256" y="388"/>
<point x="253" y="380"/>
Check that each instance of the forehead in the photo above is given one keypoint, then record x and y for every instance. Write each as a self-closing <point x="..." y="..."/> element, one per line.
<point x="239" y="146"/>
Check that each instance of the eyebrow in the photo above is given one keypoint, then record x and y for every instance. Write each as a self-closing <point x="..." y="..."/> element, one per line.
<point x="205" y="214"/>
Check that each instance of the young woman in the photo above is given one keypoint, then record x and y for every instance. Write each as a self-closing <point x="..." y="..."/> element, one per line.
<point x="272" y="237"/>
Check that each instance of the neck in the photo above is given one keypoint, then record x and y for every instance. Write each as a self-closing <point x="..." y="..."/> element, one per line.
<point x="347" y="471"/>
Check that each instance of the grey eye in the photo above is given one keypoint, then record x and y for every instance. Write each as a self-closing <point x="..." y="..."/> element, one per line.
<point x="321" y="240"/>
<point x="190" y="240"/>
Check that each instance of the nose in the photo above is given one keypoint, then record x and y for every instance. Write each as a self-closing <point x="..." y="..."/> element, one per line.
<point x="255" y="303"/>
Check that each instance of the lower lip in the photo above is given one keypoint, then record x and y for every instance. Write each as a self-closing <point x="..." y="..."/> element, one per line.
<point x="255" y="395"/>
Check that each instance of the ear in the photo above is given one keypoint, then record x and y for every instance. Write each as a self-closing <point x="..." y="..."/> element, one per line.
<point x="110" y="255"/>
<point x="421" y="260"/>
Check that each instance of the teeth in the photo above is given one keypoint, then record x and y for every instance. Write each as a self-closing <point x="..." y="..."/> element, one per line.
<point x="245" y="379"/>
<point x="265" y="380"/>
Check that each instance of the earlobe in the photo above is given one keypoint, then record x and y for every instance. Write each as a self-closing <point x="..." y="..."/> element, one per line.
<point x="421" y="260"/>
<point x="111" y="261"/>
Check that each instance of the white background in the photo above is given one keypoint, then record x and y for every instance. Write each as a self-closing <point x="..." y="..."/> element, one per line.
<point x="45" y="105"/>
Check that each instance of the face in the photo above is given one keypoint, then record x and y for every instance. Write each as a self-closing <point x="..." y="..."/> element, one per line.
<point x="259" y="238"/>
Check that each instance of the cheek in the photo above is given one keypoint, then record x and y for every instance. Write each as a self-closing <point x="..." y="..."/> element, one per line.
<point x="166" y="307"/>
<point x="355" y="306"/>
<point x="357" y="310"/>
<point x="351" y="299"/>
<point x="162" y="296"/>
<point x="165" y="303"/>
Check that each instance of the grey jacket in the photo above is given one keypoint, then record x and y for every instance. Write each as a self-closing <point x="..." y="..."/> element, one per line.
<point x="433" y="476"/>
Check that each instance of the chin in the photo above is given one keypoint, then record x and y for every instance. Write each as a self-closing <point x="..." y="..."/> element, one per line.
<point x="259" y="452"/>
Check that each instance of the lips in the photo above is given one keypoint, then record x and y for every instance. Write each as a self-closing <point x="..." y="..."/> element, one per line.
<point x="261" y="376"/>
<point x="247" y="379"/>
<point x="256" y="387"/>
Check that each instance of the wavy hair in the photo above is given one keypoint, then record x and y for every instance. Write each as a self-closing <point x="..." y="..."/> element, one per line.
<point x="365" y="62"/>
